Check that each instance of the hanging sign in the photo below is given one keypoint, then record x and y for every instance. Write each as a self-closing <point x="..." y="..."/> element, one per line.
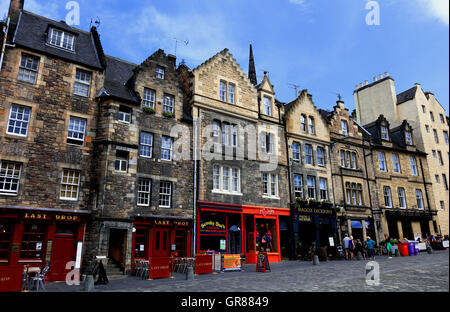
<point x="262" y="262"/>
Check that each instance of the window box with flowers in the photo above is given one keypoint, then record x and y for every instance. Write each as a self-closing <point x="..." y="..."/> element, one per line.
<point x="327" y="204"/>
<point x="149" y="110"/>
<point x="315" y="203"/>
<point x="302" y="203"/>
<point x="168" y="114"/>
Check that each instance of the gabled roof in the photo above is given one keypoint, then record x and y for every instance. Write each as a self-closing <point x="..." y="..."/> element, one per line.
<point x="326" y="114"/>
<point x="265" y="82"/>
<point x="406" y="95"/>
<point x="118" y="73"/>
<point x="31" y="33"/>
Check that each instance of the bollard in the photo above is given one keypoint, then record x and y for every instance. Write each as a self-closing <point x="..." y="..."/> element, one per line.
<point x="190" y="273"/>
<point x="316" y="260"/>
<point x="397" y="253"/>
<point x="88" y="283"/>
<point x="359" y="255"/>
<point x="429" y="250"/>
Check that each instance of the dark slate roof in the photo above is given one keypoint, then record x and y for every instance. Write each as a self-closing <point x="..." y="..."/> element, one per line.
<point x="118" y="73"/>
<point x="406" y="95"/>
<point x="32" y="32"/>
<point x="326" y="114"/>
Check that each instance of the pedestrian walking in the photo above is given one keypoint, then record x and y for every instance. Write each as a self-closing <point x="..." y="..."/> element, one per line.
<point x="351" y="247"/>
<point x="370" y="247"/>
<point x="360" y="248"/>
<point x="346" y="242"/>
<point x="388" y="247"/>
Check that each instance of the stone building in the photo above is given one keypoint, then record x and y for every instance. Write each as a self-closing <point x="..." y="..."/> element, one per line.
<point x="144" y="184"/>
<point x="241" y="191"/>
<point x="404" y="189"/>
<point x="49" y="78"/>
<point x="353" y="175"/>
<point x="310" y="182"/>
<point x="427" y="118"/>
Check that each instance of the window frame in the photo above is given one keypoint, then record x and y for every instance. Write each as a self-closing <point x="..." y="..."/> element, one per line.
<point x="143" y="144"/>
<point x="396" y="162"/>
<point x="387" y="196"/>
<point x="12" y="177"/>
<point x="382" y="161"/>
<point x="311" y="125"/>
<point x="16" y="120"/>
<point x="267" y="106"/>
<point x="165" y="195"/>
<point x="323" y="190"/>
<point x="62" y="39"/>
<point x="144" y="189"/>
<point x="401" y="197"/>
<point x="344" y="127"/>
<point x="413" y="166"/>
<point x="169" y="102"/>
<point x="384" y="133"/>
<point x="309" y="156"/>
<point x="82" y="82"/>
<point x="311" y="188"/>
<point x="28" y="69"/>
<point x="298" y="188"/>
<point x="124" y="112"/>
<point x="320" y="159"/>
<point x="74" y="118"/>
<point x="160" y="72"/>
<point x="296" y="151"/>
<point x="149" y="98"/>
<point x="419" y="196"/>
<point x="166" y="139"/>
<point x="71" y="185"/>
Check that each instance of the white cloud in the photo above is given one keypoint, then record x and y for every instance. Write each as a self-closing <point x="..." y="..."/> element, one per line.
<point x="48" y="9"/>
<point x="299" y="2"/>
<point x="437" y="9"/>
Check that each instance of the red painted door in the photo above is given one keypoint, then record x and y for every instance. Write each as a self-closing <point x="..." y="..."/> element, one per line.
<point x="161" y="241"/>
<point x="63" y="252"/>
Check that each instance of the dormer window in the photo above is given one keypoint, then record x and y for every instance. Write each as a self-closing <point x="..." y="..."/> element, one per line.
<point x="267" y="106"/>
<point x="61" y="39"/>
<point x="384" y="133"/>
<point x="408" y="138"/>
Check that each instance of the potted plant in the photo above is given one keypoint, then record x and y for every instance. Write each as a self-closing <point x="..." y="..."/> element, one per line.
<point x="303" y="202"/>
<point x="149" y="110"/>
<point x="327" y="204"/>
<point x="168" y="114"/>
<point x="314" y="203"/>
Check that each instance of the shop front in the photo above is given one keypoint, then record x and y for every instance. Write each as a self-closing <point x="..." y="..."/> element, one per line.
<point x="38" y="237"/>
<point x="239" y="229"/>
<point x="410" y="224"/>
<point x="316" y="227"/>
<point x="158" y="237"/>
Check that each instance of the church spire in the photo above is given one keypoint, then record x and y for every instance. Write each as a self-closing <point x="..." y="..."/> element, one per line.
<point x="251" y="68"/>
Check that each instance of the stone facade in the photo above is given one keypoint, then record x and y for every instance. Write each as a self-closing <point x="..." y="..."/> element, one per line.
<point x="353" y="175"/>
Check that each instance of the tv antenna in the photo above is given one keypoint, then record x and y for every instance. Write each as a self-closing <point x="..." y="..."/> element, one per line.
<point x="295" y="87"/>
<point x="186" y="42"/>
<point x="96" y="22"/>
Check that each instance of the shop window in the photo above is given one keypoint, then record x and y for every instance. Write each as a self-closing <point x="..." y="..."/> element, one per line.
<point x="180" y="242"/>
<point x="140" y="243"/>
<point x="5" y="239"/>
<point x="68" y="229"/>
<point x="213" y="233"/>
<point x="266" y="231"/>
<point x="33" y="240"/>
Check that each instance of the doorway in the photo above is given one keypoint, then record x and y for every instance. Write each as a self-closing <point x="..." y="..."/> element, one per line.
<point x="407" y="229"/>
<point x="161" y="240"/>
<point x="117" y="247"/>
<point x="63" y="252"/>
<point x="425" y="227"/>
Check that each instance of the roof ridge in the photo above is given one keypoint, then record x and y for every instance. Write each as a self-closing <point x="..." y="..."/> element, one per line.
<point x="119" y="59"/>
<point x="55" y="21"/>
<point x="210" y="59"/>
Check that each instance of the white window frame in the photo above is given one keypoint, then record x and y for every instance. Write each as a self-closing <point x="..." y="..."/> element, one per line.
<point x="387" y="195"/>
<point x="382" y="161"/>
<point x="298" y="187"/>
<point x="124" y="116"/>
<point x="10" y="176"/>
<point x="231" y="93"/>
<point x="323" y="189"/>
<point x="18" y="123"/>
<point x="296" y="151"/>
<point x="165" y="139"/>
<point x="149" y="98"/>
<point x="309" y="156"/>
<point x="76" y="130"/>
<point x="344" y="127"/>
<point x="267" y="103"/>
<point x="144" y="192"/>
<point x="169" y="103"/>
<point x="320" y="158"/>
<point x="303" y="124"/>
<point x="401" y="197"/>
<point x="160" y="72"/>
<point x="164" y="195"/>
<point x="121" y="160"/>
<point x="71" y="185"/>
<point x="396" y="161"/>
<point x="146" y="145"/>
<point x="28" y="68"/>
<point x="311" y="187"/>
<point x="223" y="91"/>
<point x="225" y="183"/>
<point x="216" y="178"/>
<point x="419" y="199"/>
<point x="66" y="40"/>
<point x="408" y="138"/>
<point x="413" y="164"/>
<point x="270" y="182"/>
<point x="82" y="82"/>
<point x="384" y="133"/>
<point x="311" y="125"/>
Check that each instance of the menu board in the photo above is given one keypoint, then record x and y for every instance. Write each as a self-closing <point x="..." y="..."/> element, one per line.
<point x="231" y="262"/>
<point x="262" y="262"/>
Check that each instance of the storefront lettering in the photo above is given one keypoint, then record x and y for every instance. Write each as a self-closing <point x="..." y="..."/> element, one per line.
<point x="181" y="223"/>
<point x="212" y="226"/>
<point x="66" y="218"/>
<point x="162" y="222"/>
<point x="266" y="211"/>
<point x="36" y="216"/>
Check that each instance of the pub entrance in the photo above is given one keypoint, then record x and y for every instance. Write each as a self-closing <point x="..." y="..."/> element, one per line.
<point x="63" y="251"/>
<point x="161" y="241"/>
<point x="117" y="247"/>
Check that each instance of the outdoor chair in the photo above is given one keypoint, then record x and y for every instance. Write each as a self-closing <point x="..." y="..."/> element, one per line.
<point x="39" y="280"/>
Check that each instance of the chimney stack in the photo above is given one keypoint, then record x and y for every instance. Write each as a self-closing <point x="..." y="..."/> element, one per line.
<point x="172" y="60"/>
<point x="14" y="8"/>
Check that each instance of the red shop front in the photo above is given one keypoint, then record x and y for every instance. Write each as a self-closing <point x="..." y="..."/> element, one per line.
<point x="38" y="237"/>
<point x="239" y="229"/>
<point x="160" y="237"/>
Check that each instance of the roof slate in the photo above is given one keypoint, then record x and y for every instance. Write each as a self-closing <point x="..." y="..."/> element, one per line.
<point x="118" y="73"/>
<point x="31" y="33"/>
<point x="406" y="95"/>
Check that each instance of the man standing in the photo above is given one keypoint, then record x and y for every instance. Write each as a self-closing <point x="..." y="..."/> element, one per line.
<point x="370" y="248"/>
<point x="346" y="241"/>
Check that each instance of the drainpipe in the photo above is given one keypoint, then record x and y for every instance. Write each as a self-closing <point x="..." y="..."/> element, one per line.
<point x="426" y="190"/>
<point x="5" y="34"/>
<point x="293" y="215"/>
<point x="196" y="179"/>
<point x="368" y="188"/>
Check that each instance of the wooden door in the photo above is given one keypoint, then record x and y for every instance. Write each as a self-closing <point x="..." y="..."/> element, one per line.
<point x="63" y="252"/>
<point x="161" y="242"/>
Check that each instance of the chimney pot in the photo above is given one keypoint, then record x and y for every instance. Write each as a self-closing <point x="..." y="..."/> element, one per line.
<point x="381" y="76"/>
<point x="366" y="82"/>
<point x="374" y="79"/>
<point x="360" y="85"/>
<point x="386" y="74"/>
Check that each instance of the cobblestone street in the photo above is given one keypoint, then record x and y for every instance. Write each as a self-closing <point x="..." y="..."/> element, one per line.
<point x="422" y="273"/>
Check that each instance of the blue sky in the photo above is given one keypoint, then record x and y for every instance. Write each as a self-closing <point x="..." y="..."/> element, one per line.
<point x="324" y="46"/>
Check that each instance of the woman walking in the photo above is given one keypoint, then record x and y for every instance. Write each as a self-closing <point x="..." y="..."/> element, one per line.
<point x="388" y="247"/>
<point x="351" y="247"/>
